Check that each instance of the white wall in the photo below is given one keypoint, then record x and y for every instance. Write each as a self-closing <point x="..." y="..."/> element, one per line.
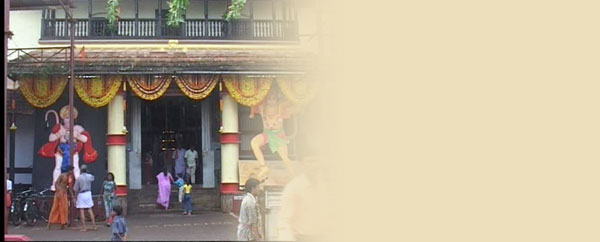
<point x="307" y="28"/>
<point x="128" y="8"/>
<point x="196" y="9"/>
<point x="216" y="9"/>
<point x="26" y="28"/>
<point x="99" y="8"/>
<point x="263" y="10"/>
<point x="147" y="8"/>
<point x="81" y="9"/>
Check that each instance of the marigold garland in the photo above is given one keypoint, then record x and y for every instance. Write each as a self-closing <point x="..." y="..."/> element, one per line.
<point x="197" y="87"/>
<point x="148" y="89"/>
<point x="297" y="90"/>
<point x="248" y="91"/>
<point x="42" y="91"/>
<point x="98" y="92"/>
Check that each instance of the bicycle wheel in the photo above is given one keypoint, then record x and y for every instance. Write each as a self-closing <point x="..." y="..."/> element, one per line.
<point x="44" y="211"/>
<point x="15" y="214"/>
<point x="31" y="213"/>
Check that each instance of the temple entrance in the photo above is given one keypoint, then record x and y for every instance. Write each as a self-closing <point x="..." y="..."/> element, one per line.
<point x="172" y="123"/>
<point x="156" y="128"/>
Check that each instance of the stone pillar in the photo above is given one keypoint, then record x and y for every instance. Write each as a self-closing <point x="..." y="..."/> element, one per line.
<point x="134" y="108"/>
<point x="230" y="144"/>
<point x="116" y="142"/>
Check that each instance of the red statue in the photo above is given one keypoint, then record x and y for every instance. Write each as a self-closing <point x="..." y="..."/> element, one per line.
<point x="58" y="145"/>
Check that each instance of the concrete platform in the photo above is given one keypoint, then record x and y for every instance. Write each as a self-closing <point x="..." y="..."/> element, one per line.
<point x="167" y="226"/>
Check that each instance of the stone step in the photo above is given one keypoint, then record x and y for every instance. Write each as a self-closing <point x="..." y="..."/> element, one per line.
<point x="200" y="202"/>
<point x="152" y="206"/>
<point x="173" y="196"/>
<point x="143" y="201"/>
<point x="172" y="210"/>
<point x="144" y="208"/>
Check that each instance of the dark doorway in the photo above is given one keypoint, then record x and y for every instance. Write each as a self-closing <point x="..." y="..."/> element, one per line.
<point x="167" y="123"/>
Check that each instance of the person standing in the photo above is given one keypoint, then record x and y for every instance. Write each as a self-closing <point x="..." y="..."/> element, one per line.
<point x="180" y="183"/>
<point x="8" y="193"/>
<point x="164" y="188"/>
<point x="119" y="226"/>
<point x="247" y="229"/>
<point x="191" y="156"/>
<point x="71" y="196"/>
<point x="83" y="189"/>
<point x="60" y="207"/>
<point x="169" y="159"/>
<point x="108" y="195"/>
<point x="179" y="157"/>
<point x="148" y="163"/>
<point x="187" y="198"/>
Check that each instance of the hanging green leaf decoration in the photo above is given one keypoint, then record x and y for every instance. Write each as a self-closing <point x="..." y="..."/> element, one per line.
<point x="235" y="10"/>
<point x="112" y="9"/>
<point x="177" y="9"/>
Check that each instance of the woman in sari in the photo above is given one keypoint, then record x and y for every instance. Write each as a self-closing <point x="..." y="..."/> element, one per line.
<point x="164" y="188"/>
<point x="60" y="206"/>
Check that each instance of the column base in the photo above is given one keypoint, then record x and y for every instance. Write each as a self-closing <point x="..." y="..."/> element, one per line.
<point x="122" y="201"/>
<point x="226" y="203"/>
<point x="231" y="198"/>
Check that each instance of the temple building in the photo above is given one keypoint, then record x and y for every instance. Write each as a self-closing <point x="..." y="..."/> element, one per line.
<point x="236" y="91"/>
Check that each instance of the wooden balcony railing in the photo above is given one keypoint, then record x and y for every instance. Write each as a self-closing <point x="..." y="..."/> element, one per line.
<point x="217" y="29"/>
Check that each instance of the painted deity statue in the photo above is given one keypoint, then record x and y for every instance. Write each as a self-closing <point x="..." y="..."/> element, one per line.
<point x="58" y="144"/>
<point x="273" y="111"/>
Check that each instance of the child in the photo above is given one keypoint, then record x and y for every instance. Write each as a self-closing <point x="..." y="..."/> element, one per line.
<point x="108" y="196"/>
<point x="180" y="184"/>
<point x="187" y="199"/>
<point x="119" y="226"/>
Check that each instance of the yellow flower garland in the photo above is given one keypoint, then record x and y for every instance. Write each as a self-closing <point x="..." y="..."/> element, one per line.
<point x="248" y="91"/>
<point x="183" y="82"/>
<point x="297" y="90"/>
<point x="97" y="96"/>
<point x="145" y="92"/>
<point x="39" y="92"/>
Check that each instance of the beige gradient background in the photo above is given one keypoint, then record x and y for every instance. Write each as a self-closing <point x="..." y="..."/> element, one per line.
<point x="463" y="120"/>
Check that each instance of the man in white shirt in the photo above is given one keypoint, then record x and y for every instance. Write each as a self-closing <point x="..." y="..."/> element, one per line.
<point x="179" y="157"/>
<point x="191" y="158"/>
<point x="249" y="216"/>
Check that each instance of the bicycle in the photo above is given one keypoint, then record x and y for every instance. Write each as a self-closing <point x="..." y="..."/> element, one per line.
<point x="29" y="205"/>
<point x="36" y="207"/>
<point x="16" y="209"/>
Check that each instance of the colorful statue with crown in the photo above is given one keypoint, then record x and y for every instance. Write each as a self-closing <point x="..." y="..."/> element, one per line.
<point x="58" y="145"/>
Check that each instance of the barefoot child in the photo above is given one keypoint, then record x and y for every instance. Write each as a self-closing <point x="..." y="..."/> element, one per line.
<point x="179" y="183"/>
<point x="187" y="198"/>
<point x="119" y="226"/>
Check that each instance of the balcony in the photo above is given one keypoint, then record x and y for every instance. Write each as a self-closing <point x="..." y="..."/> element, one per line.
<point x="197" y="29"/>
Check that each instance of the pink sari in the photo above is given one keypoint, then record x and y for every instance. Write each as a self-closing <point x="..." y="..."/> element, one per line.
<point x="164" y="189"/>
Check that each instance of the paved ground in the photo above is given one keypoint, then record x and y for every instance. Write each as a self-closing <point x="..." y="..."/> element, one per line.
<point x="204" y="225"/>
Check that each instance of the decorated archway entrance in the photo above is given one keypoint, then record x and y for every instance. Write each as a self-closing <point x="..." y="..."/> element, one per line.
<point x="175" y="122"/>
